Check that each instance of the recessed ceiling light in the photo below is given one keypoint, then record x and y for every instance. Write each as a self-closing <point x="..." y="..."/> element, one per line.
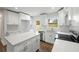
<point x="16" y="7"/>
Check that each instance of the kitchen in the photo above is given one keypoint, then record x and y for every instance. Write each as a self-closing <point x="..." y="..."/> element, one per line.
<point x="25" y="29"/>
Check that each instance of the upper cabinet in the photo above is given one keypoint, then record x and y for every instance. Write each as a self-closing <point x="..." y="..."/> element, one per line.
<point x="24" y="17"/>
<point x="44" y="19"/>
<point x="61" y="20"/>
<point x="13" y="18"/>
<point x="43" y="22"/>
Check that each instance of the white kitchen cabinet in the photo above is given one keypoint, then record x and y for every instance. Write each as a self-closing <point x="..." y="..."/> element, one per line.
<point x="24" y="17"/>
<point x="61" y="20"/>
<point x="24" y="43"/>
<point x="20" y="47"/>
<point x="44" y="22"/>
<point x="64" y="16"/>
<point x="25" y="22"/>
<point x="12" y="18"/>
<point x="29" y="47"/>
<point x="37" y="42"/>
<point x="1" y="23"/>
<point x="49" y="37"/>
<point x="33" y="44"/>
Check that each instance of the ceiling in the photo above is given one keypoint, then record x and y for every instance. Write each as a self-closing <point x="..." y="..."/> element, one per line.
<point x="33" y="11"/>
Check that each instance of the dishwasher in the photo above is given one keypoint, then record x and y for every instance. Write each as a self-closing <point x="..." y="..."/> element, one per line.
<point x="42" y="36"/>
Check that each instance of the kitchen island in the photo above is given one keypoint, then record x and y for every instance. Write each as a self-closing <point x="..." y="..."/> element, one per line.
<point x="65" y="46"/>
<point x="23" y="42"/>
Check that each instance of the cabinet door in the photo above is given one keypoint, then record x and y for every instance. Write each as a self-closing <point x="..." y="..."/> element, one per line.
<point x="20" y="47"/>
<point x="12" y="18"/>
<point x="33" y="44"/>
<point x="9" y="19"/>
<point x="38" y="42"/>
<point x="15" y="18"/>
<point x="61" y="20"/>
<point x="43" y="22"/>
<point x="49" y="37"/>
<point x="46" y="37"/>
<point x="24" y="16"/>
<point x="35" y="41"/>
<point x="29" y="47"/>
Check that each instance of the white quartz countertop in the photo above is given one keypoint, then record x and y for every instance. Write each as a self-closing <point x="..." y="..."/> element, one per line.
<point x="65" y="46"/>
<point x="20" y="37"/>
<point x="65" y="33"/>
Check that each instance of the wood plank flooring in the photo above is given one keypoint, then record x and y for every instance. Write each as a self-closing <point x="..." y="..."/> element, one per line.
<point x="2" y="48"/>
<point x="44" y="47"/>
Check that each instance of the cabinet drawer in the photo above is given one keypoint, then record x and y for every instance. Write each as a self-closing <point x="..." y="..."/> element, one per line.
<point x="20" y="47"/>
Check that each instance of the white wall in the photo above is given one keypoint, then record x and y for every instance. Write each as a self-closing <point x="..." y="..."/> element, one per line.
<point x="75" y="19"/>
<point x="2" y="29"/>
<point x="1" y="23"/>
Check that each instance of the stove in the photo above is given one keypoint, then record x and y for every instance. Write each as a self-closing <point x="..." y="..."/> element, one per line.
<point x="70" y="38"/>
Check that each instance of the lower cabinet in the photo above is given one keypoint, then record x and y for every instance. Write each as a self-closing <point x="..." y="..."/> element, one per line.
<point x="49" y="37"/>
<point x="36" y="43"/>
<point x="30" y="45"/>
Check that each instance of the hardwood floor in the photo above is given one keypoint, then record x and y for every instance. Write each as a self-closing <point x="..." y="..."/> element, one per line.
<point x="44" y="47"/>
<point x="2" y="48"/>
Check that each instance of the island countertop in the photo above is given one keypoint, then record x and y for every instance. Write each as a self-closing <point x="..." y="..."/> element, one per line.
<point x="65" y="46"/>
<point x="20" y="37"/>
